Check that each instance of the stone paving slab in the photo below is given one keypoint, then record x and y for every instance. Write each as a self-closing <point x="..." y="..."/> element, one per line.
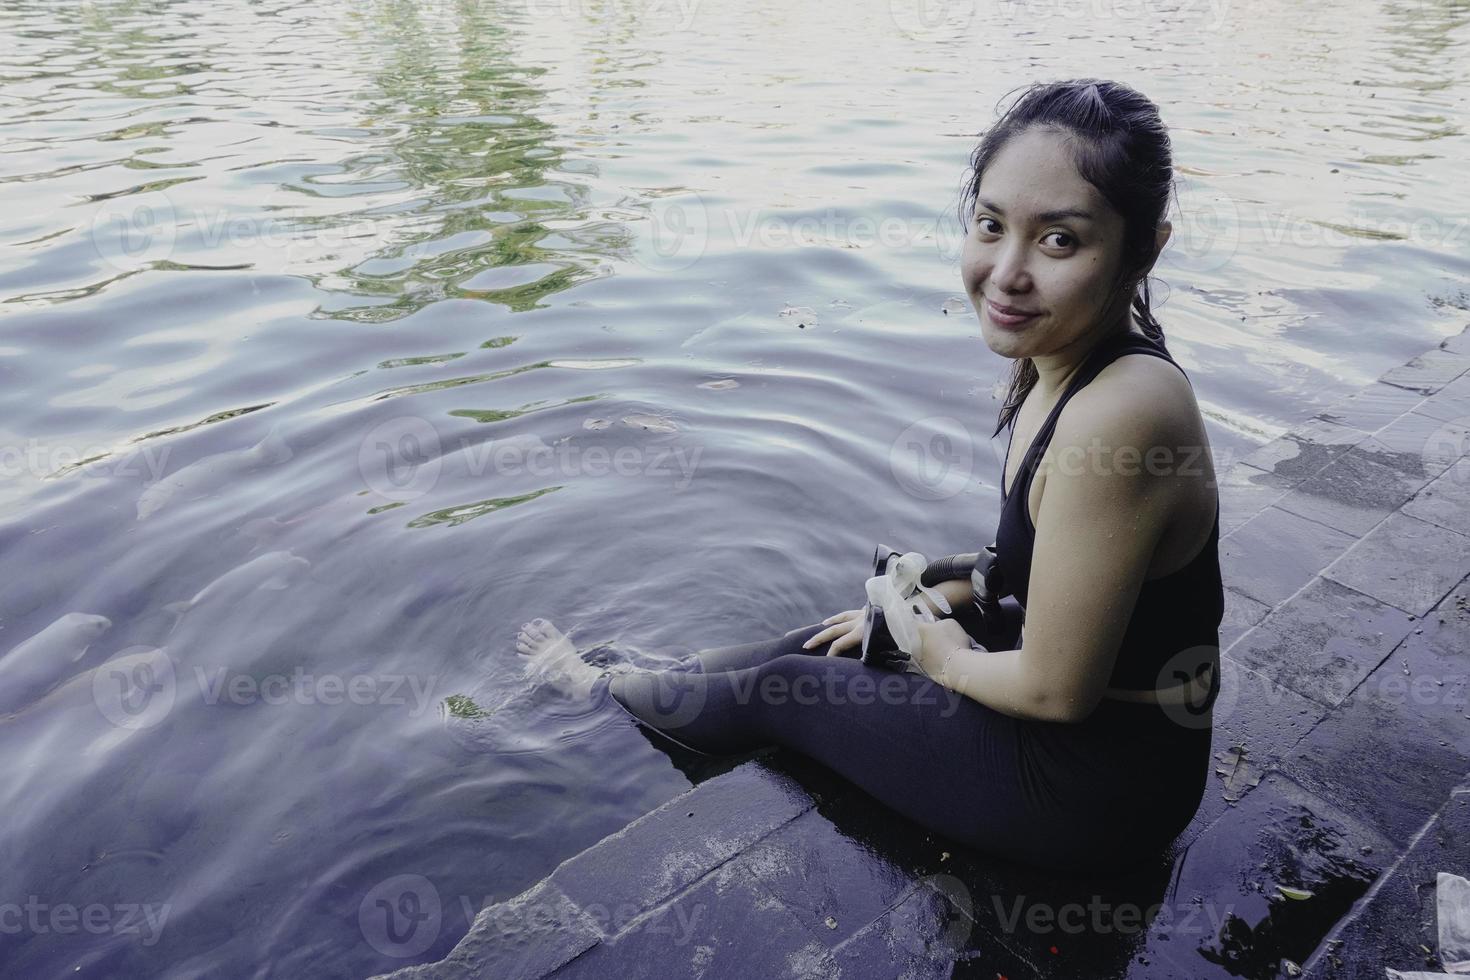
<point x="1275" y="553"/>
<point x="1404" y="562"/>
<point x="1324" y="642"/>
<point x="1396" y="923"/>
<point x="1429" y="372"/>
<point x="1446" y="500"/>
<point x="1390" y="768"/>
<point x="1372" y="407"/>
<point x="1418" y="445"/>
<point x="1303" y="452"/>
<point x="1245" y="491"/>
<point x="693" y="837"/>
<point x="1241" y="613"/>
<point x="1257" y="714"/>
<point x="1340" y="732"/>
<point x="725" y="926"/>
<point x="1352" y="493"/>
<point x="1449" y="404"/>
<point x="1231" y="918"/>
<point x="1428" y="676"/>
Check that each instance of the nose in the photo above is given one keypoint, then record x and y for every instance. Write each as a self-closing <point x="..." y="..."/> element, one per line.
<point x="1009" y="274"/>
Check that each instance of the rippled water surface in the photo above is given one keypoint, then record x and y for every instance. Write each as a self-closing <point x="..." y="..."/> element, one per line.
<point x="339" y="339"/>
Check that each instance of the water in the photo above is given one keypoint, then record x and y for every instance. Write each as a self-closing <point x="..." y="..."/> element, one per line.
<point x="339" y="339"/>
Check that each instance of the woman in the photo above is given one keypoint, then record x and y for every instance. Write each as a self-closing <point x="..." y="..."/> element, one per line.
<point x="1087" y="746"/>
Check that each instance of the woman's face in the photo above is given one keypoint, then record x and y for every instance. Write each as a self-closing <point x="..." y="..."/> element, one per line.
<point x="1021" y="254"/>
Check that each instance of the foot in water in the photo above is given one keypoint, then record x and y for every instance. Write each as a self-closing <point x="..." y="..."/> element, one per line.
<point x="552" y="658"/>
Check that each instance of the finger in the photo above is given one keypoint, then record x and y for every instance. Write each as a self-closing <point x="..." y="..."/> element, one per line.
<point x="845" y="616"/>
<point x="817" y="639"/>
<point x="851" y="637"/>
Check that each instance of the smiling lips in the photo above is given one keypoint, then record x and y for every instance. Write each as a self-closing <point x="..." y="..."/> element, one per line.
<point x="1008" y="316"/>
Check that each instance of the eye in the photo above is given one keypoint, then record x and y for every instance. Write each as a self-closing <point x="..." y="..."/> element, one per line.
<point x="984" y="218"/>
<point x="1070" y="241"/>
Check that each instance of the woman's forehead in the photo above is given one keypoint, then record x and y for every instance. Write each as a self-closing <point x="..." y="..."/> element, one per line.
<point x="1035" y="172"/>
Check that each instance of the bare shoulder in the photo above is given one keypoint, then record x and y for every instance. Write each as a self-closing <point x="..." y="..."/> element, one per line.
<point x="1137" y="396"/>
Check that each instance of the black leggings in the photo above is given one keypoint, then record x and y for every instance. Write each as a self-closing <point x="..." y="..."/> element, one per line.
<point x="1095" y="795"/>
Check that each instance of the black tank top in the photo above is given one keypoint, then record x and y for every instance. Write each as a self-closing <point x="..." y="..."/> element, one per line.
<point x="1178" y="612"/>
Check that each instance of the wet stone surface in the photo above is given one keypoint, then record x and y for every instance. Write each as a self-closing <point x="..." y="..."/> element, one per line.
<point x="1446" y="500"/>
<point x="1245" y="491"/>
<point x="1241" y="613"/>
<point x="1372" y="407"/>
<point x="1276" y="552"/>
<point x="708" y="931"/>
<point x="1428" y="677"/>
<point x="1451" y="403"/>
<point x="1417" y="445"/>
<point x="1404" y="562"/>
<point x="1388" y="767"/>
<point x="1429" y="372"/>
<point x="1240" y="923"/>
<point x="674" y="846"/>
<point x="1398" y="924"/>
<point x="1301" y="453"/>
<point x="1352" y="493"/>
<point x="1259" y="716"/>
<point x="1324" y="642"/>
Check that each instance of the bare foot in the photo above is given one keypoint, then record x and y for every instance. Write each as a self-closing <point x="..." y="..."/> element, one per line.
<point x="552" y="658"/>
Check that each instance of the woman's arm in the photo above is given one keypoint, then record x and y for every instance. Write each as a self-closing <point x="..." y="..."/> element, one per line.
<point x="1102" y="516"/>
<point x="997" y="679"/>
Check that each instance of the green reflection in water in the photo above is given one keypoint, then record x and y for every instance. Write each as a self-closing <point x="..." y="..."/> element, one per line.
<point x="500" y="415"/>
<point x="455" y="516"/>
<point x="463" y="706"/>
<point x="456" y="127"/>
<point x="397" y="362"/>
<point x="456" y="382"/>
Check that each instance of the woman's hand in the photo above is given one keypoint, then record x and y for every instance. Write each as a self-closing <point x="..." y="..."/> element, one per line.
<point x="845" y="630"/>
<point x="937" y="642"/>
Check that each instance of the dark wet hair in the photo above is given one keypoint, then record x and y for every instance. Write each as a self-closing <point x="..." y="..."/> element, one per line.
<point x="1120" y="146"/>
